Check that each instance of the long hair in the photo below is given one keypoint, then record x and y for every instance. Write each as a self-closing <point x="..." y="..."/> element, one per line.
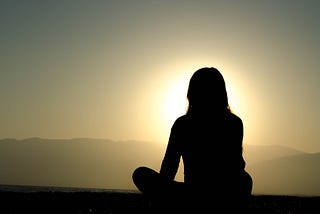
<point x="207" y="92"/>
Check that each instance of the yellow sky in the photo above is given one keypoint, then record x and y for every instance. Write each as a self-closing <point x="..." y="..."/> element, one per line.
<point x="114" y="69"/>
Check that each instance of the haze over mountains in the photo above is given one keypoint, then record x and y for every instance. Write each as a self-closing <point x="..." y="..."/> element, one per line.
<point x="103" y="163"/>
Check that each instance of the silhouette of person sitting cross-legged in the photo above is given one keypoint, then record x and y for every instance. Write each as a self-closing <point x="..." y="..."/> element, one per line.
<point x="208" y="138"/>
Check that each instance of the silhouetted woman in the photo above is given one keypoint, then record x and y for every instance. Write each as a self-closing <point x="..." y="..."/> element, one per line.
<point x="209" y="140"/>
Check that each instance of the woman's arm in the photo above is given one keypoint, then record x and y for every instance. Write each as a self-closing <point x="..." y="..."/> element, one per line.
<point x="171" y="160"/>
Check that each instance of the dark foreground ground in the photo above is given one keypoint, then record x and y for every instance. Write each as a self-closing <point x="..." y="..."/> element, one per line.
<point x="133" y="202"/>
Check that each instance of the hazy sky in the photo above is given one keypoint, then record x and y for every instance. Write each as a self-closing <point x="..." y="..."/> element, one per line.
<point x="119" y="69"/>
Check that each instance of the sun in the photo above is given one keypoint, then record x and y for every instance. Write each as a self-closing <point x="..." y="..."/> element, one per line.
<point x="170" y="100"/>
<point x="233" y="99"/>
<point x="175" y="101"/>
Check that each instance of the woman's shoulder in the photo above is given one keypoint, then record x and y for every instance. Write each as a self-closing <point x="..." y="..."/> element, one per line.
<point x="182" y="121"/>
<point x="233" y="116"/>
<point x="234" y="119"/>
<point x="187" y="119"/>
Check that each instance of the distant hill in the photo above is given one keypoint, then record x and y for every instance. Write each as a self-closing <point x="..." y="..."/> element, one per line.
<point x="258" y="153"/>
<point x="96" y="163"/>
<point x="289" y="175"/>
<point x="283" y="170"/>
<point x="103" y="163"/>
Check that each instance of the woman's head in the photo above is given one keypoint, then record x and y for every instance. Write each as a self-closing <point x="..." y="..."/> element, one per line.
<point x="207" y="91"/>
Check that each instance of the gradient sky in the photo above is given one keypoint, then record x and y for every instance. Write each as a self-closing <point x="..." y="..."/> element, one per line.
<point x="119" y="69"/>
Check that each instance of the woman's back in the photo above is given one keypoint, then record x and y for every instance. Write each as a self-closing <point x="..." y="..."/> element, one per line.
<point x="211" y="148"/>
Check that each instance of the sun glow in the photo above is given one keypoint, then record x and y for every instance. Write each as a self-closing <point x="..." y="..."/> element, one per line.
<point x="233" y="100"/>
<point x="175" y="100"/>
<point x="176" y="103"/>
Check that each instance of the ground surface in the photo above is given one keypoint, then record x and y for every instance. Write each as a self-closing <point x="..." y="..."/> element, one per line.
<point x="131" y="202"/>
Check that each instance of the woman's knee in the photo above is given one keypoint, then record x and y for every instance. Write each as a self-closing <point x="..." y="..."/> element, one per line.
<point x="145" y="178"/>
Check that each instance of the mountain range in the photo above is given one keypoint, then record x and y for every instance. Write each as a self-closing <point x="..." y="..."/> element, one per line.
<point x="108" y="164"/>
